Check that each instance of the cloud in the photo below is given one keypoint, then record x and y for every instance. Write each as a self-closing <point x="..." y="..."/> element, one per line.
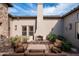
<point x="60" y="9"/>
<point x="12" y="10"/>
<point x="19" y="11"/>
<point x="30" y="9"/>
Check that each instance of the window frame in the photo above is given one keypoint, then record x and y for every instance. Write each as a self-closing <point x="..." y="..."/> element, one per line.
<point x="76" y="27"/>
<point x="77" y="16"/>
<point x="30" y="31"/>
<point x="25" y="30"/>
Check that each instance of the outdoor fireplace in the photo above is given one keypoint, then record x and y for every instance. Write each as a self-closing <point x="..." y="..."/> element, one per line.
<point x="39" y="38"/>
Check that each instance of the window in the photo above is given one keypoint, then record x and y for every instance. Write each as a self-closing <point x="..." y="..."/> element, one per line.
<point x="31" y="30"/>
<point x="27" y="30"/>
<point x="70" y="26"/>
<point x="15" y="27"/>
<point x="77" y="30"/>
<point x="24" y="30"/>
<point x="78" y="16"/>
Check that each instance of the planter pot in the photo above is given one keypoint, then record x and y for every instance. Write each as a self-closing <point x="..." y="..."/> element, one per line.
<point x="25" y="46"/>
<point x="19" y="50"/>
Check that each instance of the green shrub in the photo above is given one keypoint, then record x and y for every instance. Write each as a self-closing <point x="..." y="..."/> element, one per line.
<point x="14" y="40"/>
<point x="66" y="46"/>
<point x="17" y="39"/>
<point x="24" y="38"/>
<point x="52" y="37"/>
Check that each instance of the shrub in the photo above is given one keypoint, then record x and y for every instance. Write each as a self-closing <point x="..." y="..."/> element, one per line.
<point x="17" y="43"/>
<point x="14" y="41"/>
<point x="52" y="37"/>
<point x="66" y="46"/>
<point x="24" y="39"/>
<point x="19" y="39"/>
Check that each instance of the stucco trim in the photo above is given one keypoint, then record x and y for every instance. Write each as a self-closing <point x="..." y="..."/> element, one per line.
<point x="35" y="17"/>
<point x="24" y="17"/>
<point x="52" y="17"/>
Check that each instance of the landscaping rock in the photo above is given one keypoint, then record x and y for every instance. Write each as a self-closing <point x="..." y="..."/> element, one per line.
<point x="5" y="45"/>
<point x="25" y="46"/>
<point x="56" y="50"/>
<point x="58" y="43"/>
<point x="74" y="50"/>
<point x="55" y="47"/>
<point x="50" y="46"/>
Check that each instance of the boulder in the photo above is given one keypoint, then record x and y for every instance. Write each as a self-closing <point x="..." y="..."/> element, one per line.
<point x="58" y="43"/>
<point x="56" y="50"/>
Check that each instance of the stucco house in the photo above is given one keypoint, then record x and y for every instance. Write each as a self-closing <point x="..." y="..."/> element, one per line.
<point x="32" y="26"/>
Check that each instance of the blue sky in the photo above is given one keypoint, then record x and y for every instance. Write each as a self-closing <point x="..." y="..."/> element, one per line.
<point x="30" y="9"/>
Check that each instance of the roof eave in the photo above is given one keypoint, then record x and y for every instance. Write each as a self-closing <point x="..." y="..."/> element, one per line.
<point x="9" y="4"/>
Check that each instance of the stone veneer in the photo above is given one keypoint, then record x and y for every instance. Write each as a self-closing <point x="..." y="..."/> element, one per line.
<point x="4" y="20"/>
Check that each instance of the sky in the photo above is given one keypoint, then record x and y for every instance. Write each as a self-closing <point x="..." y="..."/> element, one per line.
<point x="49" y="9"/>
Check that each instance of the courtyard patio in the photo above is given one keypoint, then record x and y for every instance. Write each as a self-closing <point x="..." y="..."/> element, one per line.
<point x="34" y="48"/>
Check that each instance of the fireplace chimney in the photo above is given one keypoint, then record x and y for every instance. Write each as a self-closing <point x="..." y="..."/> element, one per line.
<point x="40" y="25"/>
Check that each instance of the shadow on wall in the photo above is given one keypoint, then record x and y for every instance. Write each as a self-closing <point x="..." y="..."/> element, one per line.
<point x="58" y="28"/>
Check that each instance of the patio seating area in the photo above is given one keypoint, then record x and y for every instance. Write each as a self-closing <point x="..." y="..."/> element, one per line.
<point x="37" y="49"/>
<point x="32" y="48"/>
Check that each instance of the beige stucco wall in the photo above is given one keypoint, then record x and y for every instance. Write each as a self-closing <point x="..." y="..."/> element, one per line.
<point x="4" y="19"/>
<point x="54" y="26"/>
<point x="51" y="26"/>
<point x="19" y="24"/>
<point x="48" y="25"/>
<point x="71" y="34"/>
